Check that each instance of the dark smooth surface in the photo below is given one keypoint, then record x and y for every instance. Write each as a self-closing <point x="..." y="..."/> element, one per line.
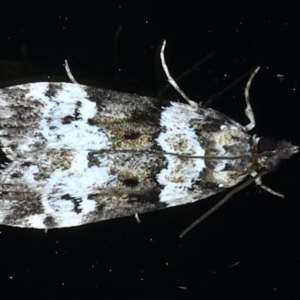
<point x="250" y="248"/>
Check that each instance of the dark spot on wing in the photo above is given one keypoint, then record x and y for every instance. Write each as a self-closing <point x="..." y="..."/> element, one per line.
<point x="76" y="115"/>
<point x="68" y="119"/>
<point x="53" y="89"/>
<point x="150" y="115"/>
<point x="16" y="175"/>
<point x="26" y="164"/>
<point x="76" y="202"/>
<point x="131" y="135"/>
<point x="50" y="222"/>
<point x="98" y="95"/>
<point x="151" y="197"/>
<point x="208" y="127"/>
<point x="131" y="182"/>
<point x="3" y="159"/>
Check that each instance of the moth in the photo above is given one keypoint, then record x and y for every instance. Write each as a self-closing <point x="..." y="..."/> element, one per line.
<point x="72" y="154"/>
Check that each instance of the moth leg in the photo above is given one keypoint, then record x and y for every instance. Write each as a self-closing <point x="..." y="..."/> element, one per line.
<point x="248" y="110"/>
<point x="69" y="73"/>
<point x="137" y="218"/>
<point x="258" y="181"/>
<point x="171" y="79"/>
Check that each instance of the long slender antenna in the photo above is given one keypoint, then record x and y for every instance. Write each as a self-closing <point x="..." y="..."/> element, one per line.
<point x="171" y="79"/>
<point x="248" y="110"/>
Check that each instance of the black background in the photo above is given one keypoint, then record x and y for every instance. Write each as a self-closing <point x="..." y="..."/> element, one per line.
<point x="250" y="248"/>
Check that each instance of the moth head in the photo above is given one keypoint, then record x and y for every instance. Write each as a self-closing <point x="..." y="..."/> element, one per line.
<point x="270" y="152"/>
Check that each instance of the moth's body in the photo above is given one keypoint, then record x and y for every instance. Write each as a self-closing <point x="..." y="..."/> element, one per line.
<point x="72" y="154"/>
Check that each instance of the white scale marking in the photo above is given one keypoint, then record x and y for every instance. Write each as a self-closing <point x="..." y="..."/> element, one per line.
<point x="179" y="137"/>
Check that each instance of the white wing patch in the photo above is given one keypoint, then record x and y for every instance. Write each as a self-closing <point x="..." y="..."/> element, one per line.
<point x="179" y="137"/>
